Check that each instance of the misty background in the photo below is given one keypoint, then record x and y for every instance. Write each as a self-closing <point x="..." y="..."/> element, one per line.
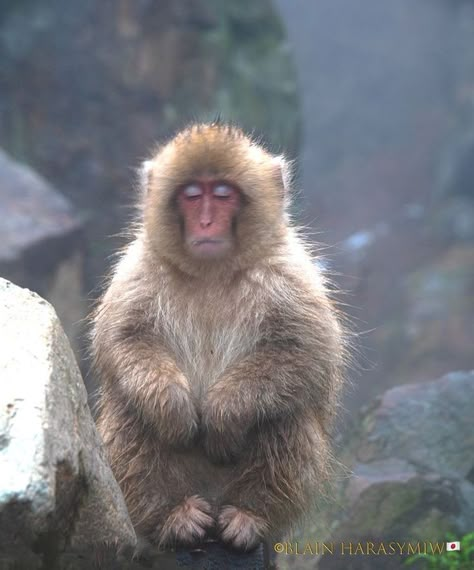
<point x="374" y="100"/>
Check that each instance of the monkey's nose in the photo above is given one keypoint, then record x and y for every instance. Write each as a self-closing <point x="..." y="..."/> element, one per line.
<point x="205" y="223"/>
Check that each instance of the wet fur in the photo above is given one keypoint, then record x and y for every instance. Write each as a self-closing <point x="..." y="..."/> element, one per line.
<point x="219" y="380"/>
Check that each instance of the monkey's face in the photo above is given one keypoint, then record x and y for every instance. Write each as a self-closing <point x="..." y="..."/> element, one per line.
<point x="212" y="194"/>
<point x="208" y="209"/>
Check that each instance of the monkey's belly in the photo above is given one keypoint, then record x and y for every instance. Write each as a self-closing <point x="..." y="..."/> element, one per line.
<point x="205" y="478"/>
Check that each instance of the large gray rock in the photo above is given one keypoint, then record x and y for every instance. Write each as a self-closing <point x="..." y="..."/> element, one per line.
<point x="413" y="470"/>
<point x="409" y="477"/>
<point x="429" y="425"/>
<point x="57" y="491"/>
<point x="41" y="241"/>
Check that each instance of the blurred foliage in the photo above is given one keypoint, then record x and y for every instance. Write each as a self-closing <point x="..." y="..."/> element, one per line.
<point x="462" y="559"/>
<point x="257" y="85"/>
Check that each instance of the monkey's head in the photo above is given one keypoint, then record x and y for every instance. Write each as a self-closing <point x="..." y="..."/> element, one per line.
<point x="214" y="197"/>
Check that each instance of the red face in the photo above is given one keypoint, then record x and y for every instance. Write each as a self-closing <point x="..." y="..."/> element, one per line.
<point x="208" y="209"/>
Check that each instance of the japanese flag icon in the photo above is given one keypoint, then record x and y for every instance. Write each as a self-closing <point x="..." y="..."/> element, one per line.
<point x="450" y="546"/>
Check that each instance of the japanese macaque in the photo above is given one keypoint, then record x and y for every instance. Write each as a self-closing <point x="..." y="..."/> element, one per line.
<point x="218" y="349"/>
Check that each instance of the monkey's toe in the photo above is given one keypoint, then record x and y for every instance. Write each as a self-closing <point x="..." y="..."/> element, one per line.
<point x="240" y="529"/>
<point x="187" y="523"/>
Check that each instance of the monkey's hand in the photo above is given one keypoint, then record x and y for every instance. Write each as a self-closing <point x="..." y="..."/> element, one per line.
<point x="226" y="420"/>
<point x="176" y="415"/>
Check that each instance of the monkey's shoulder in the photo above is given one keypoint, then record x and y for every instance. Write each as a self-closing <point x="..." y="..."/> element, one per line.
<point x="293" y="278"/>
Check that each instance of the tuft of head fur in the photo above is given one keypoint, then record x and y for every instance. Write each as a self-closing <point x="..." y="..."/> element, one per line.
<point x="225" y="153"/>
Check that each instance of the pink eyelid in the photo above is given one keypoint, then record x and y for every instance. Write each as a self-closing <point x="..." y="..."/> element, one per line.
<point x="226" y="191"/>
<point x="192" y="191"/>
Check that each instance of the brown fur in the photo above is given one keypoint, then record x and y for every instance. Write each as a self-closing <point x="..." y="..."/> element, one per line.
<point x="219" y="378"/>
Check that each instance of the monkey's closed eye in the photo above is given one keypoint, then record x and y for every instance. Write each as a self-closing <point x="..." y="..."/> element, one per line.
<point x="192" y="191"/>
<point x="223" y="191"/>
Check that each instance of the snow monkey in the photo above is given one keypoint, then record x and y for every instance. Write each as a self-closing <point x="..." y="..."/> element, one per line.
<point x="218" y="348"/>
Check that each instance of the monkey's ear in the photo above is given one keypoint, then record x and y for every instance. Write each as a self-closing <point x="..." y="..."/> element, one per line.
<point x="284" y="172"/>
<point x="144" y="176"/>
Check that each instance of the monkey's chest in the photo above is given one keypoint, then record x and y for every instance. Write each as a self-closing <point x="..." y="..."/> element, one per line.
<point x="205" y="352"/>
<point x="211" y="335"/>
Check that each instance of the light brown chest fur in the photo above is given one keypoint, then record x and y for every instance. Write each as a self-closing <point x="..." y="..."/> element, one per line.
<point x="205" y="342"/>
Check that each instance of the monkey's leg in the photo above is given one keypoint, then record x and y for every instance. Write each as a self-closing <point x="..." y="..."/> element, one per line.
<point x="160" y="484"/>
<point x="275" y="481"/>
<point x="166" y="508"/>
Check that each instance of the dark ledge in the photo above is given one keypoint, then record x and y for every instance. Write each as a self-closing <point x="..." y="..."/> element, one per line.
<point x="215" y="556"/>
<point x="211" y="555"/>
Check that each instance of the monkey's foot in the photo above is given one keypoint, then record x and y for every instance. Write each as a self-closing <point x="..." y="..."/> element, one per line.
<point x="187" y="523"/>
<point x="240" y="529"/>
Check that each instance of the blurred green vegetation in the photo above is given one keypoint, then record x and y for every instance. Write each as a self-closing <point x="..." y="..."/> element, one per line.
<point x="462" y="559"/>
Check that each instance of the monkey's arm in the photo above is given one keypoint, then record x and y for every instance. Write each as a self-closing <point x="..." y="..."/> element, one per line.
<point x="135" y="369"/>
<point x="297" y="365"/>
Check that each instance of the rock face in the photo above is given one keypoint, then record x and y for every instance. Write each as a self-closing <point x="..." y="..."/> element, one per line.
<point x="41" y="241"/>
<point x="57" y="492"/>
<point x="413" y="470"/>
<point x="87" y="92"/>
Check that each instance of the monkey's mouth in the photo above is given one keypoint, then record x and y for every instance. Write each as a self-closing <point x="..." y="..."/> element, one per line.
<point x="208" y="247"/>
